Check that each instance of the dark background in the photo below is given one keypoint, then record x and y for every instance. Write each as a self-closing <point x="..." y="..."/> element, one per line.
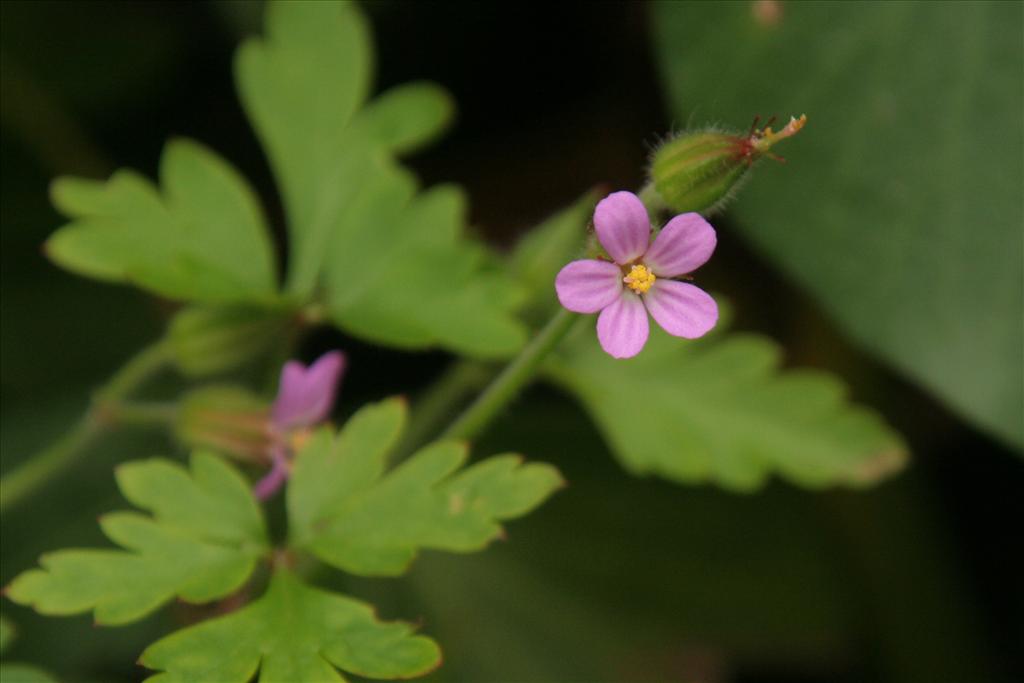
<point x="615" y="579"/>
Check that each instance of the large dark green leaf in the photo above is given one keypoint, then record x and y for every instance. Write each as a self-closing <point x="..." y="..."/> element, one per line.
<point x="901" y="207"/>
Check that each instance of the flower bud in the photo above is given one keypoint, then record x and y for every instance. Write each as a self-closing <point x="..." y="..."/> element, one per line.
<point x="700" y="170"/>
<point x="227" y="419"/>
<point x="207" y="340"/>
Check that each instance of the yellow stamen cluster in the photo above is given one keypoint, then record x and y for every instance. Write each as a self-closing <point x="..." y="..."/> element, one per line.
<point x="639" y="279"/>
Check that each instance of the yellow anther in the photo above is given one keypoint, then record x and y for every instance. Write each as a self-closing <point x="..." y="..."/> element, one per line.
<point x="639" y="279"/>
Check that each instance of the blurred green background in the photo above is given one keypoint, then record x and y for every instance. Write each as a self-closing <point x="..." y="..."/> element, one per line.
<point x="616" y="579"/>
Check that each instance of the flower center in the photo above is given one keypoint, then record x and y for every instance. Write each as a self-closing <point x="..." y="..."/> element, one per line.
<point x="639" y="279"/>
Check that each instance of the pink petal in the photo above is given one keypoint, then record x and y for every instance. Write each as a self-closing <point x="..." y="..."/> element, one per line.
<point x="682" y="246"/>
<point x="681" y="309"/>
<point x="588" y="286"/>
<point x="622" y="327"/>
<point x="305" y="396"/>
<point x="622" y="226"/>
<point x="273" y="481"/>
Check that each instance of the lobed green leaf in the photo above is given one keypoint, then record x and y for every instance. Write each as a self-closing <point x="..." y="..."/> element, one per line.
<point x="301" y="85"/>
<point x="209" y="340"/>
<point x="396" y="268"/>
<point x="406" y="117"/>
<point x="202" y="542"/>
<point x="346" y="509"/>
<point x="201" y="237"/>
<point x="722" y="411"/>
<point x="425" y="285"/>
<point x="293" y="633"/>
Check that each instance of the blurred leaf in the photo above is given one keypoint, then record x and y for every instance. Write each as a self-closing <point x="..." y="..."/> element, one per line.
<point x="293" y="633"/>
<point x="349" y="513"/>
<point x="424" y="285"/>
<point x="543" y="251"/>
<point x="202" y="239"/>
<point x="207" y="340"/>
<point x="301" y="85"/>
<point x="24" y="673"/>
<point x="722" y="411"/>
<point x="406" y="117"/>
<point x="901" y="210"/>
<point x="398" y="268"/>
<point x="201" y="543"/>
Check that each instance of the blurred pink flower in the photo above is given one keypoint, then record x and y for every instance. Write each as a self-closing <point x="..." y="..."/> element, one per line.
<point x="304" y="398"/>
<point x="639" y="280"/>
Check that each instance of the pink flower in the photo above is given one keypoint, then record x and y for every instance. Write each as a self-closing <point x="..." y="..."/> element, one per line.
<point x="640" y="279"/>
<point x="304" y="398"/>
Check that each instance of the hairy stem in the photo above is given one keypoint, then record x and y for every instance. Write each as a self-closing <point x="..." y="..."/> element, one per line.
<point x="651" y="200"/>
<point x="507" y="385"/>
<point x="107" y="410"/>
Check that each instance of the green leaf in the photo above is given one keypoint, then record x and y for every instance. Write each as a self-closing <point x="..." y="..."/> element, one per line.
<point x="722" y="411"/>
<point x="397" y="268"/>
<point x="201" y="543"/>
<point x="900" y="208"/>
<point x="208" y="340"/>
<point x="344" y="508"/>
<point x="407" y="117"/>
<point x="293" y="633"/>
<point x="24" y="673"/>
<point x="425" y="285"/>
<point x="543" y="251"/>
<point x="202" y="238"/>
<point x="301" y="87"/>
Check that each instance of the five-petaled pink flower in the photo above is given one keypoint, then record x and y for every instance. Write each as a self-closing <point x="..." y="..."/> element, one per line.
<point x="640" y="277"/>
<point x="304" y="398"/>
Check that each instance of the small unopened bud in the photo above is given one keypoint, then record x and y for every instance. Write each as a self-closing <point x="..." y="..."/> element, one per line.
<point x="227" y="419"/>
<point x="700" y="170"/>
<point x="207" y="340"/>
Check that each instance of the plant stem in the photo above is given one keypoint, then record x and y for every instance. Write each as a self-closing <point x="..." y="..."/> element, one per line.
<point x="512" y="379"/>
<point x="35" y="471"/>
<point x="651" y="200"/>
<point x="137" y="370"/>
<point x="146" y="414"/>
<point x="106" y="410"/>
<point x="439" y="400"/>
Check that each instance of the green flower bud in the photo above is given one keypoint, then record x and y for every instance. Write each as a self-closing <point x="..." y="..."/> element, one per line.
<point x="207" y="340"/>
<point x="227" y="419"/>
<point x="701" y="170"/>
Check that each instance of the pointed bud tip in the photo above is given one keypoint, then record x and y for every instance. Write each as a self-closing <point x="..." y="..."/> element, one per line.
<point x="701" y="170"/>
